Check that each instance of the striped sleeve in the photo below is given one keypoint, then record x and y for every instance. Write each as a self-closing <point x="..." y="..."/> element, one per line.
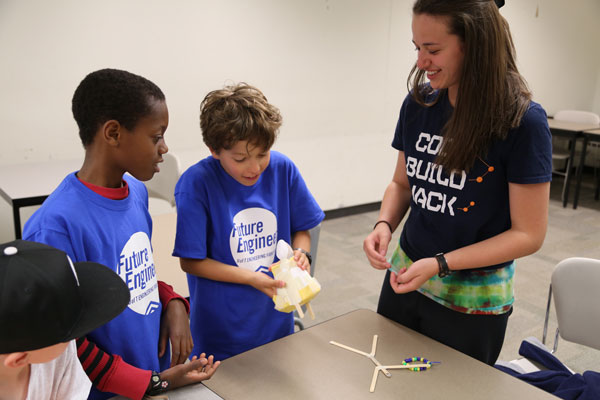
<point x="109" y="373"/>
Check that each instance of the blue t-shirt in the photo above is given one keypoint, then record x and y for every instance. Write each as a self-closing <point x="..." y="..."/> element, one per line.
<point x="221" y="219"/>
<point x="115" y="233"/>
<point x="448" y="212"/>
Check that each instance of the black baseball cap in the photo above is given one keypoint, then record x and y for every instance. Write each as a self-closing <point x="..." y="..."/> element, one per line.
<point x="46" y="299"/>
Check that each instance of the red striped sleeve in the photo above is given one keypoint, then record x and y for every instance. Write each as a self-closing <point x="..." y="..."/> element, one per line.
<point x="109" y="373"/>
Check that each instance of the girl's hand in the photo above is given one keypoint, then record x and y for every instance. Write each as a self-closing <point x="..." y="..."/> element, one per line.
<point x="376" y="245"/>
<point x="414" y="277"/>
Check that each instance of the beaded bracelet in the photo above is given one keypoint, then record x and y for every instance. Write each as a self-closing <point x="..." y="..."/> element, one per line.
<point x="417" y="359"/>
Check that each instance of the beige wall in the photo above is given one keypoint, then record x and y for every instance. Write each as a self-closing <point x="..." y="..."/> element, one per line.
<point x="336" y="68"/>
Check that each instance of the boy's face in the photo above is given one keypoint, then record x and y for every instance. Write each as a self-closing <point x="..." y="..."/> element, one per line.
<point x="244" y="163"/>
<point x="142" y="148"/>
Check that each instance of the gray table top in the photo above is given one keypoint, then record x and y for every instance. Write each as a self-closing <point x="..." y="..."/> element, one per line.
<point x="306" y="366"/>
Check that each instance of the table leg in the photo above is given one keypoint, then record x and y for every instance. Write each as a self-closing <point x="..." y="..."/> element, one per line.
<point x="573" y="144"/>
<point x="580" y="172"/>
<point x="17" y="221"/>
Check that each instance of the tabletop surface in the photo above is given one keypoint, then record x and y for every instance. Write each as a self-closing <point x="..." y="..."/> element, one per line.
<point x="569" y="126"/>
<point x="593" y="131"/>
<point x="29" y="180"/>
<point x="306" y="366"/>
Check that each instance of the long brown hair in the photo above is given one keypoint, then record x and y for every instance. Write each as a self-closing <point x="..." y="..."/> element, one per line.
<point x="492" y="95"/>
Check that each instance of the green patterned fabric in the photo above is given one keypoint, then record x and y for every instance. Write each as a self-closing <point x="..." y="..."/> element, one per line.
<point x="470" y="292"/>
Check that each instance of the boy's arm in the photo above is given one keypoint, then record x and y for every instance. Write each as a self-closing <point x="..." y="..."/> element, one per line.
<point x="174" y="325"/>
<point x="218" y="271"/>
<point x="109" y="373"/>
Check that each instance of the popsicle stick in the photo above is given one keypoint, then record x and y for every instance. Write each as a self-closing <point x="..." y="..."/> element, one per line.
<point x="385" y="371"/>
<point x="310" y="311"/>
<point x="343" y="346"/>
<point x="374" y="380"/>
<point x="369" y="356"/>
<point x="299" y="310"/>
<point x="374" y="346"/>
<point x="405" y="366"/>
<point x="384" y="367"/>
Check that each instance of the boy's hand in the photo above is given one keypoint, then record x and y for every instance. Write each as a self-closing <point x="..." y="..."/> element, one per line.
<point x="175" y="326"/>
<point x="301" y="260"/>
<point x="265" y="283"/>
<point x="197" y="370"/>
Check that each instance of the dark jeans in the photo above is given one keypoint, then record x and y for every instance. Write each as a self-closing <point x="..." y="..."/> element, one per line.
<point x="479" y="336"/>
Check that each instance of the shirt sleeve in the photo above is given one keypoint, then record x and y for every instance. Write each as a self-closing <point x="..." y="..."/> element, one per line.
<point x="192" y="219"/>
<point x="166" y="294"/>
<point x="109" y="373"/>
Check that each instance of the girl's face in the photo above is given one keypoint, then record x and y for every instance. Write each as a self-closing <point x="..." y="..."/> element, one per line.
<point x="440" y="53"/>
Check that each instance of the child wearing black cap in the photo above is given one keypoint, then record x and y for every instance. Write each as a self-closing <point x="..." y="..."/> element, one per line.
<point x="100" y="213"/>
<point x="46" y="301"/>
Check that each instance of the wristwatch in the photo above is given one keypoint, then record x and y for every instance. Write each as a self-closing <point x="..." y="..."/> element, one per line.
<point x="306" y="253"/>
<point x="156" y="385"/>
<point x="442" y="265"/>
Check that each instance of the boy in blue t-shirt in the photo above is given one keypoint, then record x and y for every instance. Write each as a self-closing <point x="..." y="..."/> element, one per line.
<point x="232" y="208"/>
<point x="100" y="214"/>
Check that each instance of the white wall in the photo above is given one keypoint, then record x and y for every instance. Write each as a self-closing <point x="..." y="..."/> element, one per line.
<point x="558" y="51"/>
<point x="596" y="106"/>
<point x="336" y="68"/>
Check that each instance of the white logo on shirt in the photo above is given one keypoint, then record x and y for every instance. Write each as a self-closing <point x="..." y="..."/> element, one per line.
<point x="136" y="268"/>
<point x="253" y="238"/>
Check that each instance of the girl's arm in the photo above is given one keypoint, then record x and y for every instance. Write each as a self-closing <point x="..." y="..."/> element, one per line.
<point x="218" y="271"/>
<point x="529" y="219"/>
<point x="394" y="205"/>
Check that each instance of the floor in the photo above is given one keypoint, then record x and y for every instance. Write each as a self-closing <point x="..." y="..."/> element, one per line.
<point x="349" y="282"/>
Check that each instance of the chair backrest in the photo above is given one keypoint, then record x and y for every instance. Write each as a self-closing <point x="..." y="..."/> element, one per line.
<point x="314" y="246"/>
<point x="576" y="287"/>
<point x="582" y="117"/>
<point x="162" y="185"/>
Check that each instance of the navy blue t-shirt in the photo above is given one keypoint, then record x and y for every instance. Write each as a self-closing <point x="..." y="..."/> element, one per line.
<point x="450" y="211"/>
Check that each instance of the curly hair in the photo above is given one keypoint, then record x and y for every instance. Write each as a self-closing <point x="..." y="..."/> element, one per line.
<point x="238" y="112"/>
<point x="112" y="94"/>
<point x="492" y="95"/>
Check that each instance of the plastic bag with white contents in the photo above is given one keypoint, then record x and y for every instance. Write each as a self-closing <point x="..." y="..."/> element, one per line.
<point x="300" y="288"/>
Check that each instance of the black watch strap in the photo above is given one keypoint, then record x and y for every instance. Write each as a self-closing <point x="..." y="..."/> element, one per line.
<point x="306" y="253"/>
<point x="442" y="265"/>
<point x="156" y="385"/>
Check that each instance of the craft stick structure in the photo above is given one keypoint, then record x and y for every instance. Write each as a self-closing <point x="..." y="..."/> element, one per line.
<point x="370" y="355"/>
<point x="406" y="364"/>
<point x="300" y="288"/>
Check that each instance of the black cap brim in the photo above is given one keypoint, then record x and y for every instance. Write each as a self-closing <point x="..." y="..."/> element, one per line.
<point x="104" y="296"/>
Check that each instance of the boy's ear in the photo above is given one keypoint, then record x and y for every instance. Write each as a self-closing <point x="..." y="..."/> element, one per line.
<point x="215" y="154"/>
<point x="111" y="131"/>
<point x="16" y="360"/>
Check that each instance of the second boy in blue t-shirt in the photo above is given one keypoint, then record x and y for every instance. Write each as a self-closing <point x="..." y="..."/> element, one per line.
<point x="232" y="209"/>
